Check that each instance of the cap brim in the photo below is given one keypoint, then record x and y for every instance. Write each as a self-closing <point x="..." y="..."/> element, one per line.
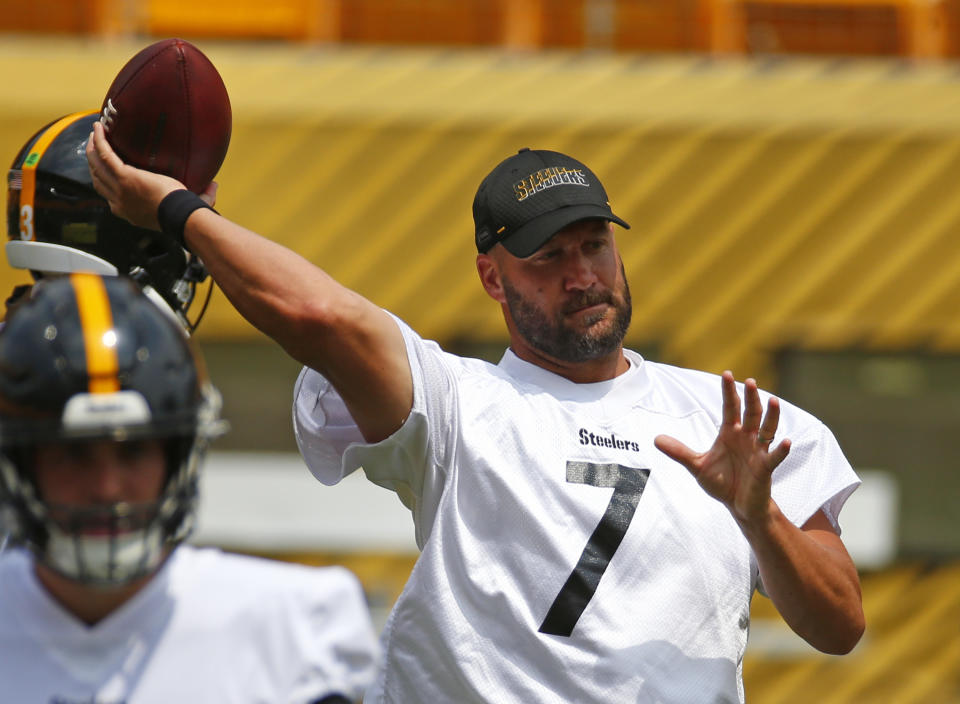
<point x="532" y="236"/>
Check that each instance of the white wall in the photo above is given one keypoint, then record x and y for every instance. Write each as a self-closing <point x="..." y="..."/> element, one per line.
<point x="270" y="502"/>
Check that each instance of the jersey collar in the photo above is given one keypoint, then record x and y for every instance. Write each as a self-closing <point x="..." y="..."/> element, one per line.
<point x="630" y="384"/>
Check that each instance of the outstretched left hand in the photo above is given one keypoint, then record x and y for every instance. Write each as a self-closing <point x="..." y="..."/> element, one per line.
<point x="738" y="467"/>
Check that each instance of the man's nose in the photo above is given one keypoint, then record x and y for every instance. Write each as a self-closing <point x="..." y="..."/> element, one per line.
<point x="579" y="274"/>
<point x="106" y="480"/>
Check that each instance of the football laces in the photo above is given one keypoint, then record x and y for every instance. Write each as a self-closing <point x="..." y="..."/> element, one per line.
<point x="109" y="112"/>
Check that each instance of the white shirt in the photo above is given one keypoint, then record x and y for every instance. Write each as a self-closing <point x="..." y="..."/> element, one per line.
<point x="509" y="470"/>
<point x="210" y="627"/>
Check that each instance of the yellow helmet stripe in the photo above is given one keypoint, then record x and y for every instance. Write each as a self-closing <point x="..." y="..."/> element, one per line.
<point x="99" y="338"/>
<point x="29" y="171"/>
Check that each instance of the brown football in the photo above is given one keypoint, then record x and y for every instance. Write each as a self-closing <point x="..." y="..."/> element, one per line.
<point x="168" y="111"/>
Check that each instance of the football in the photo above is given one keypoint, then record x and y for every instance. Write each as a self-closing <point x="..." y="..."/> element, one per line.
<point x="168" y="111"/>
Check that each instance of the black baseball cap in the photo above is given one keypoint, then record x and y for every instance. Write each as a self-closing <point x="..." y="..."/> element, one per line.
<point x="531" y="196"/>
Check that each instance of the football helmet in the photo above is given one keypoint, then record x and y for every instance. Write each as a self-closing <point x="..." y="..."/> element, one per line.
<point x="89" y="357"/>
<point x="58" y="223"/>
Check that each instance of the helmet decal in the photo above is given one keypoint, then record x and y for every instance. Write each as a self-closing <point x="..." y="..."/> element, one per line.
<point x="99" y="338"/>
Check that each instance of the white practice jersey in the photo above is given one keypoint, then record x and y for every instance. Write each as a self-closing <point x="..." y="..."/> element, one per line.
<point x="210" y="627"/>
<point x="564" y="558"/>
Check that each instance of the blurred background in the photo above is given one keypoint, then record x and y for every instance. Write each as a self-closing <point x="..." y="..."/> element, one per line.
<point x="790" y="170"/>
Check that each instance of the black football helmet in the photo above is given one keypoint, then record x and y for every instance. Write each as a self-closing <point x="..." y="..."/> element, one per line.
<point x="58" y="223"/>
<point x="90" y="357"/>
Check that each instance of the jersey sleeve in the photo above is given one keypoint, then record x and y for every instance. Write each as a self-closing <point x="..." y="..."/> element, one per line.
<point x="322" y="426"/>
<point x="815" y="475"/>
<point x="412" y="462"/>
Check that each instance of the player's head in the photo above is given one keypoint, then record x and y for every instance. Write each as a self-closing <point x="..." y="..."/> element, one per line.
<point x="547" y="253"/>
<point x="57" y="223"/>
<point x="96" y="381"/>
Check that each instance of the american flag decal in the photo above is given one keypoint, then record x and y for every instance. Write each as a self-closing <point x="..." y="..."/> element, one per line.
<point x="15" y="179"/>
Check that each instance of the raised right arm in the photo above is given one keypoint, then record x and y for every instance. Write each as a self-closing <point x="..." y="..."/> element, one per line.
<point x="319" y="322"/>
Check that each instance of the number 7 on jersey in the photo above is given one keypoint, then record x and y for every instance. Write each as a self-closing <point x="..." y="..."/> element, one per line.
<point x="628" y="484"/>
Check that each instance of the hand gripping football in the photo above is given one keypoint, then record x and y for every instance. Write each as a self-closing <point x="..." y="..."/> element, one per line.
<point x="168" y="111"/>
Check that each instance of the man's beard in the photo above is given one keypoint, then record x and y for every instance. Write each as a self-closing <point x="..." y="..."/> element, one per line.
<point x="556" y="339"/>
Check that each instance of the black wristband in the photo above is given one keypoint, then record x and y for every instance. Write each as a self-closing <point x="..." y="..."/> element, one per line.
<point x="173" y="211"/>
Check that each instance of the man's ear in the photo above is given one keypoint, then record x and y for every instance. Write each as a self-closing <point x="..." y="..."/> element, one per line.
<point x="490" y="277"/>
